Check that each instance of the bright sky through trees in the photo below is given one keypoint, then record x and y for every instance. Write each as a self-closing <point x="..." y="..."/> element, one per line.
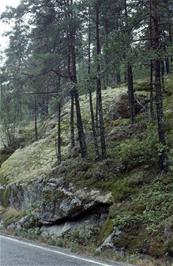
<point x="4" y="27"/>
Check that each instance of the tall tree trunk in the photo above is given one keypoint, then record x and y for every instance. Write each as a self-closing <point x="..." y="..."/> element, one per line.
<point x="106" y="59"/>
<point x="130" y="75"/>
<point x="35" y="118"/>
<point x="47" y="101"/>
<point x="98" y="89"/>
<point x="89" y="41"/>
<point x="59" y="157"/>
<point x="58" y="143"/>
<point x="72" y="132"/>
<point x="151" y="92"/>
<point x="81" y="134"/>
<point x="93" y="127"/>
<point x="170" y="31"/>
<point x="97" y="116"/>
<point x="72" y="137"/>
<point x="131" y="94"/>
<point x="152" y="96"/>
<point x="96" y="148"/>
<point x="158" y="86"/>
<point x="162" y="66"/>
<point x="167" y="64"/>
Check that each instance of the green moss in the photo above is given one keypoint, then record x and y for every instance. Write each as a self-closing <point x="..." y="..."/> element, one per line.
<point x="26" y="135"/>
<point x="106" y="230"/>
<point x="3" y="179"/>
<point x="3" y="158"/>
<point x="142" y="85"/>
<point x="122" y="190"/>
<point x="135" y="241"/>
<point x="142" y="217"/>
<point x="135" y="152"/>
<point x="169" y="84"/>
<point x="11" y="215"/>
<point x="5" y="197"/>
<point x="2" y="211"/>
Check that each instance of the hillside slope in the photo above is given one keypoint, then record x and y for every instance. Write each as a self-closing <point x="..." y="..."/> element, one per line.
<point x="121" y="204"/>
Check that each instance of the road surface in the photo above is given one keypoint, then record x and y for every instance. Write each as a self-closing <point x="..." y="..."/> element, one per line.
<point x="14" y="252"/>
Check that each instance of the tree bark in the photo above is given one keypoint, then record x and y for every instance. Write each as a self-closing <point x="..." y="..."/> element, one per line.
<point x="162" y="66"/>
<point x="72" y="122"/>
<point x="35" y="118"/>
<point x="151" y="92"/>
<point x="96" y="148"/>
<point x="59" y="157"/>
<point x="73" y="77"/>
<point x="167" y="63"/>
<point x="81" y="134"/>
<point x="98" y="89"/>
<point x="106" y="31"/>
<point x="163" y="162"/>
<point x="93" y="127"/>
<point x="131" y="95"/>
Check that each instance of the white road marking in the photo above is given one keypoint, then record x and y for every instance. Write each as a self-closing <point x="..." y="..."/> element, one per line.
<point x="55" y="251"/>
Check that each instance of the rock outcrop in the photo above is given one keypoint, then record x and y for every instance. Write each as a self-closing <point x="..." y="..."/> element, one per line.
<point x="54" y="200"/>
<point x="120" y="108"/>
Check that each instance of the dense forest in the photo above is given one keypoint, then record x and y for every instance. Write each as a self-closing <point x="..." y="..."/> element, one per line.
<point x="77" y="53"/>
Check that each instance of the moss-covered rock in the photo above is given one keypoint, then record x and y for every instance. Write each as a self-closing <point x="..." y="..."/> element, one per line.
<point x="11" y="216"/>
<point x="106" y="230"/>
<point x="5" y="197"/>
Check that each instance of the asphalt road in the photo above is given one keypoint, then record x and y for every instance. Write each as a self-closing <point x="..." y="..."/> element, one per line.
<point x="14" y="252"/>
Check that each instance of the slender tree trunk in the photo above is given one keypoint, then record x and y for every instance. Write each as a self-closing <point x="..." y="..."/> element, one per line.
<point x="81" y="134"/>
<point x="89" y="41"/>
<point x="93" y="126"/>
<point x="151" y="92"/>
<point x="72" y="127"/>
<point x="162" y="65"/>
<point x="168" y="68"/>
<point x="72" y="122"/>
<point x="106" y="31"/>
<point x="98" y="89"/>
<point x="130" y="76"/>
<point x="47" y="101"/>
<point x="97" y="116"/>
<point x="58" y="141"/>
<point x="158" y="85"/>
<point x="35" y="118"/>
<point x="131" y="94"/>
<point x="170" y="32"/>
<point x="59" y="157"/>
<point x="152" y="98"/>
<point x="96" y="148"/>
<point x="125" y="76"/>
